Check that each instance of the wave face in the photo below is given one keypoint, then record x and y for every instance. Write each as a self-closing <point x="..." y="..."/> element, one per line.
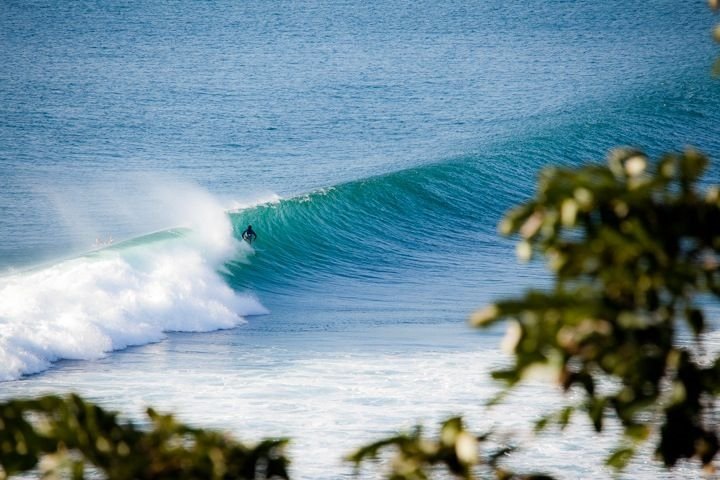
<point x="419" y="242"/>
<point x="414" y="245"/>
<point x="361" y="229"/>
<point x="438" y="222"/>
<point x="240" y="96"/>
<point x="128" y="294"/>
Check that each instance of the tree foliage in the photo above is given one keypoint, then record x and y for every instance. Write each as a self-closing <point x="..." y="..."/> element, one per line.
<point x="633" y="253"/>
<point x="63" y="435"/>
<point x="456" y="450"/>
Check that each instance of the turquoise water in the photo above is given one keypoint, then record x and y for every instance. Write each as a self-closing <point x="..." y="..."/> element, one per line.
<point x="374" y="147"/>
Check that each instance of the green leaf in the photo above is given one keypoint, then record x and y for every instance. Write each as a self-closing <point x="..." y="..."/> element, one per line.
<point x="596" y="410"/>
<point x="542" y="423"/>
<point x="564" y="416"/>
<point x="620" y="458"/>
<point x="637" y="432"/>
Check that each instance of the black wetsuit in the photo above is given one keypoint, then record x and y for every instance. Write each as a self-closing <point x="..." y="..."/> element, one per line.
<point x="249" y="235"/>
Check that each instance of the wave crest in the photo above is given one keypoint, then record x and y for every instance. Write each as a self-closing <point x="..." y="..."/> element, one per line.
<point x="130" y="294"/>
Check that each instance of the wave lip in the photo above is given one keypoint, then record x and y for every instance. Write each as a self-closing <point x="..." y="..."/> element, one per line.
<point x="111" y="299"/>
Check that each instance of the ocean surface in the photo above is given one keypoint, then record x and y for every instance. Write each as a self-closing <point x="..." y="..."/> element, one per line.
<point x="374" y="146"/>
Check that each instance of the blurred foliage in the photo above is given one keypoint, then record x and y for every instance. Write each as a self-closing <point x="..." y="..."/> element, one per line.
<point x="633" y="250"/>
<point x="62" y="436"/>
<point x="715" y="6"/>
<point x="68" y="437"/>
<point x="456" y="451"/>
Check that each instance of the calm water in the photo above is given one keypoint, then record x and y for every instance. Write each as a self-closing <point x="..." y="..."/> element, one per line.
<point x="374" y="147"/>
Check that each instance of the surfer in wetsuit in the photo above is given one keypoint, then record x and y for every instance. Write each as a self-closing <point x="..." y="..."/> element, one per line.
<point x="249" y="234"/>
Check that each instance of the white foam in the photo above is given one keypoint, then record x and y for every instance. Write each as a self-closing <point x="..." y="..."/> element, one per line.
<point x="267" y="198"/>
<point x="330" y="401"/>
<point x="85" y="307"/>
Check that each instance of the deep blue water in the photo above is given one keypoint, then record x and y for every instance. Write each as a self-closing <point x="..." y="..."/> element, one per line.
<point x="250" y="97"/>
<point x="374" y="147"/>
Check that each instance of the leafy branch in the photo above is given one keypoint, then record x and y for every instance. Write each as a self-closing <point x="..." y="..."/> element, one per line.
<point x="632" y="252"/>
<point x="456" y="451"/>
<point x="63" y="435"/>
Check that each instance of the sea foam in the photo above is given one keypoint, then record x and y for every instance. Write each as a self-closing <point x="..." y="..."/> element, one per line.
<point x="107" y="300"/>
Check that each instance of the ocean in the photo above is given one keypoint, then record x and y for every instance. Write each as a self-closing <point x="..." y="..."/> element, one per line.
<point x="373" y="146"/>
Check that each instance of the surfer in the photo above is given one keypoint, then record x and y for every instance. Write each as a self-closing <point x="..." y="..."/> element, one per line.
<point x="249" y="234"/>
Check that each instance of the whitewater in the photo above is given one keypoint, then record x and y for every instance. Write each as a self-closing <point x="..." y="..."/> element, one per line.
<point x="129" y="294"/>
<point x="374" y="147"/>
